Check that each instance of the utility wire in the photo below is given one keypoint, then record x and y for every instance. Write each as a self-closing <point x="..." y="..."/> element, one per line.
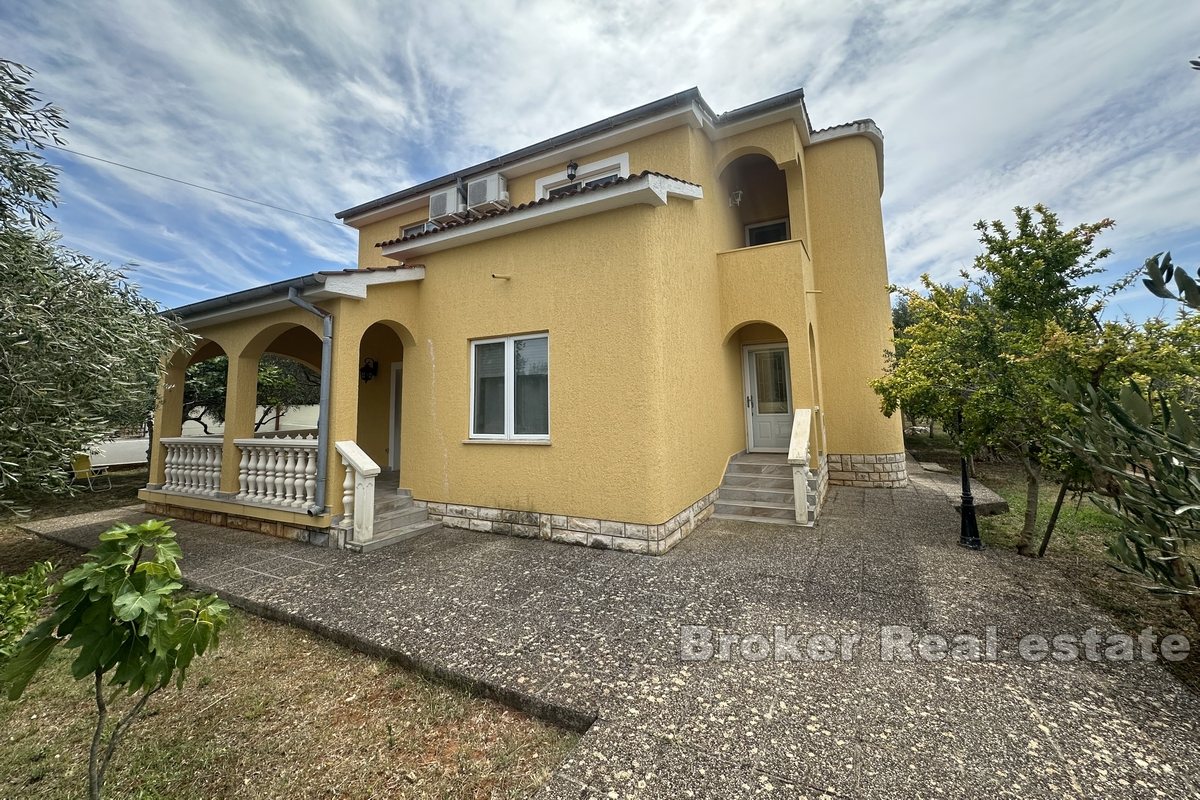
<point x="193" y="185"/>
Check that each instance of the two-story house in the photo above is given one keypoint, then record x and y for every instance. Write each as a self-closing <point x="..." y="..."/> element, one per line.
<point x="601" y="339"/>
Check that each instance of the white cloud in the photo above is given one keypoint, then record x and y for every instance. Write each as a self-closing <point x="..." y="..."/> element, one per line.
<point x="318" y="106"/>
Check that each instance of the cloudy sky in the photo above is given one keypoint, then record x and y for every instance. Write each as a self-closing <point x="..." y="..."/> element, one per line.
<point x="317" y="105"/>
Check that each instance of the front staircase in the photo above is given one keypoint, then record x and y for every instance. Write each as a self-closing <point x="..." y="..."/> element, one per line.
<point x="396" y="518"/>
<point x="758" y="487"/>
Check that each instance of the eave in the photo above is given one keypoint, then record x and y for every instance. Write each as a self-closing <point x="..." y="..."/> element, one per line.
<point x="349" y="284"/>
<point x="648" y="189"/>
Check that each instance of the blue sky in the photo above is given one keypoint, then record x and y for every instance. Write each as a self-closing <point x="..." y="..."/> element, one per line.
<point x="316" y="106"/>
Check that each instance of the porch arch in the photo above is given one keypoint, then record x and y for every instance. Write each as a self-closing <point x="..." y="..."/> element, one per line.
<point x="759" y="206"/>
<point x="382" y="349"/>
<point x="746" y="150"/>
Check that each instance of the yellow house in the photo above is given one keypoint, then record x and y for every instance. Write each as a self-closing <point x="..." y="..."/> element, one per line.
<point x="601" y="338"/>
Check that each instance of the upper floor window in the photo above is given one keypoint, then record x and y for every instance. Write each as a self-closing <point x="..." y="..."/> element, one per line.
<point x="767" y="232"/>
<point x="587" y="176"/>
<point x="510" y="389"/>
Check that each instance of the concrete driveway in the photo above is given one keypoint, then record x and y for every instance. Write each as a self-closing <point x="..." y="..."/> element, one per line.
<point x="597" y="639"/>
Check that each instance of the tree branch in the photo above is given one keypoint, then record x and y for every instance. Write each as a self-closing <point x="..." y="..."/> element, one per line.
<point x="101" y="717"/>
<point x="117" y="733"/>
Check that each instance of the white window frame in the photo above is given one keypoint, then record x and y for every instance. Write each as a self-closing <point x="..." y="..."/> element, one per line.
<point x="787" y="229"/>
<point x="616" y="166"/>
<point x="510" y="388"/>
<point x="406" y="228"/>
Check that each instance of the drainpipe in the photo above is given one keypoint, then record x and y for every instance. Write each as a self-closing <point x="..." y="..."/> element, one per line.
<point x="323" y="413"/>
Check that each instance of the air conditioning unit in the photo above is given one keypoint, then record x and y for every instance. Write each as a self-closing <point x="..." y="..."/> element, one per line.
<point x="445" y="206"/>
<point x="489" y="193"/>
<point x="419" y="228"/>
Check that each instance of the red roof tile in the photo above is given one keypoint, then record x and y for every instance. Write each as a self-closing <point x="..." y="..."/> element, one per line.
<point x="523" y="206"/>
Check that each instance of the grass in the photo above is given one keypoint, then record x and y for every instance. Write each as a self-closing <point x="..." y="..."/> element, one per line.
<point x="274" y="712"/>
<point x="1077" y="548"/>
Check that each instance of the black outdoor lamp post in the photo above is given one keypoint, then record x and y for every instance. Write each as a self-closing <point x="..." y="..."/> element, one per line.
<point x="968" y="532"/>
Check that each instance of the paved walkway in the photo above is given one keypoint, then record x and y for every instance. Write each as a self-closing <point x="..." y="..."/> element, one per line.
<point x="592" y="638"/>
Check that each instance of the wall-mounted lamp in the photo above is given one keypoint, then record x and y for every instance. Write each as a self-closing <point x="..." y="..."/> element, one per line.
<point x="368" y="370"/>
<point x="735" y="198"/>
<point x="572" y="171"/>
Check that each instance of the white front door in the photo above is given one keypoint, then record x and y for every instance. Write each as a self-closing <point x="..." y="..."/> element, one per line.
<point x="768" y="398"/>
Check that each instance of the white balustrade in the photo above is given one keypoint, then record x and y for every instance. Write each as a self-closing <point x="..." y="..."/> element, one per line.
<point x="193" y="466"/>
<point x="278" y="472"/>
<point x="358" y="492"/>
<point x="800" y="450"/>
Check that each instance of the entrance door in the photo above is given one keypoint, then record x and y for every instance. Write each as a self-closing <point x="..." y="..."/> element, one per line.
<point x="394" y="422"/>
<point x="768" y="398"/>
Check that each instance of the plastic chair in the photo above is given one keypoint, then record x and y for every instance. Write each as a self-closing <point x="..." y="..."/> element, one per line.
<point x="82" y="470"/>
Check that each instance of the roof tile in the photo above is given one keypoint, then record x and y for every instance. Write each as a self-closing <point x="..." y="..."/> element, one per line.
<point x="541" y="202"/>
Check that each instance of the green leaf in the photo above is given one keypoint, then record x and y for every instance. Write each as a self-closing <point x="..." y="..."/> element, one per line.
<point x="1137" y="407"/>
<point x="19" y="671"/>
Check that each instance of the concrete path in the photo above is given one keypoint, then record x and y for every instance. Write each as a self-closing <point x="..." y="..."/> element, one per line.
<point x="592" y="638"/>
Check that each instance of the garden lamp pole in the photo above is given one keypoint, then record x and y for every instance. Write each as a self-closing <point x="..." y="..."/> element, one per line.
<point x="968" y="532"/>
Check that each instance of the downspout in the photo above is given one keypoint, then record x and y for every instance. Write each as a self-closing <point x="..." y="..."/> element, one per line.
<point x="323" y="412"/>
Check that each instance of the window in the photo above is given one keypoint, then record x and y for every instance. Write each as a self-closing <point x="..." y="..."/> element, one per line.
<point x="559" y="191"/>
<point x="587" y="176"/>
<point x="590" y="183"/>
<point x="767" y="232"/>
<point x="510" y="388"/>
<point x="420" y="227"/>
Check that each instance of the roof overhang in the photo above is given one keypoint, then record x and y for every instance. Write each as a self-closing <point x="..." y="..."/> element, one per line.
<point x="651" y="190"/>
<point x="684" y="108"/>
<point x="343" y="284"/>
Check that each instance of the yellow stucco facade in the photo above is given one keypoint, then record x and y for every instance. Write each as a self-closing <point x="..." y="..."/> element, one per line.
<point x="647" y="308"/>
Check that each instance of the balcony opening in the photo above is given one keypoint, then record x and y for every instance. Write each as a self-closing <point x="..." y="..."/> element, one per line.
<point x="758" y="202"/>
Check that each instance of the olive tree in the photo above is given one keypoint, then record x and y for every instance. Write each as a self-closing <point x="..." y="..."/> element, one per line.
<point x="79" y="346"/>
<point x="1143" y="441"/>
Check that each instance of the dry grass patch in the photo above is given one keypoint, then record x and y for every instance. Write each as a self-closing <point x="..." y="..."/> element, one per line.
<point x="274" y="713"/>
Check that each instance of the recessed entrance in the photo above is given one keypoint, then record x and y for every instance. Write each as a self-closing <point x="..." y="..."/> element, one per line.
<point x="768" y="398"/>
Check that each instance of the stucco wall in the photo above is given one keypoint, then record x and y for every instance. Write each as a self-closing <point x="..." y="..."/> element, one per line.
<point x="647" y="311"/>
<point x="853" y="308"/>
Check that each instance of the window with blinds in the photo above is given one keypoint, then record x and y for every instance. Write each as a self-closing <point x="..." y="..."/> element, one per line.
<point x="510" y="388"/>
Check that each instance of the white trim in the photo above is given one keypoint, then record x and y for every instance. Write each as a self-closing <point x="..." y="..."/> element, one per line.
<point x="651" y="190"/>
<point x="393" y="431"/>
<point x="751" y="390"/>
<point x="787" y="230"/>
<point x="352" y="286"/>
<point x="510" y="385"/>
<point x="613" y="165"/>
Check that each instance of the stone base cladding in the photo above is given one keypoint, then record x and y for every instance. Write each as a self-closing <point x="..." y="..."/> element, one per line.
<point x="631" y="537"/>
<point x="317" y="536"/>
<point x="881" y="471"/>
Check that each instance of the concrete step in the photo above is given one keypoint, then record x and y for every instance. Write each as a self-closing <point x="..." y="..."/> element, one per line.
<point x="392" y="502"/>
<point x="394" y="536"/>
<point x="749" y="508"/>
<point x="737" y="480"/>
<point x="767" y="520"/>
<point x="758" y="468"/>
<point x="400" y="517"/>
<point x="760" y="458"/>
<point x="739" y="493"/>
